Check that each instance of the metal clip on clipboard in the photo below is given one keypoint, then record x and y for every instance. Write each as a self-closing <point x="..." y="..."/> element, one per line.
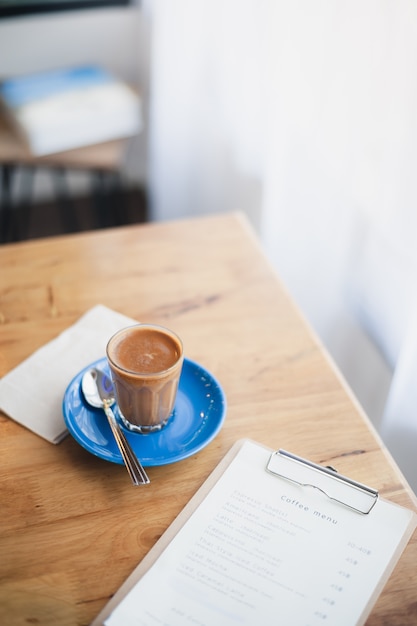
<point x="339" y="488"/>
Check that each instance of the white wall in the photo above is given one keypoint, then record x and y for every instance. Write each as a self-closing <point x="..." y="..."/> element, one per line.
<point x="116" y="38"/>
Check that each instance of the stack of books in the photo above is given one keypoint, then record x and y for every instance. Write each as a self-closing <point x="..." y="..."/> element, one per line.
<point x="64" y="109"/>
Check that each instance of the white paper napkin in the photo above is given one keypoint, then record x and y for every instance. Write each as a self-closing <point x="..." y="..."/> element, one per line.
<point x="32" y="392"/>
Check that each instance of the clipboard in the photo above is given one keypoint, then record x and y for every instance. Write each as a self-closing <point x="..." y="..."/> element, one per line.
<point x="327" y="480"/>
<point x="357" y="499"/>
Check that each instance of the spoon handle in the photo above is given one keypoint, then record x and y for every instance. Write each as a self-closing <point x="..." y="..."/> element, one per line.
<point x="133" y="465"/>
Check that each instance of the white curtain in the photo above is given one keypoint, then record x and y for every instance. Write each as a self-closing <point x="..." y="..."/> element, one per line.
<point x="303" y="114"/>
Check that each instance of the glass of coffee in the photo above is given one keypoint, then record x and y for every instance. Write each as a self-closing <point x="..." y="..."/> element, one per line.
<point x="145" y="363"/>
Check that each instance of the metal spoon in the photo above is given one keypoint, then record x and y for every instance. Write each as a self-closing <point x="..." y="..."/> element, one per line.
<point x="98" y="392"/>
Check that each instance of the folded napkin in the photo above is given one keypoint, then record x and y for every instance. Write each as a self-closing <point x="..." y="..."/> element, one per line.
<point x="32" y="392"/>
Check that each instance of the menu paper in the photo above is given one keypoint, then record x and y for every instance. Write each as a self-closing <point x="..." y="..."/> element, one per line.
<point x="259" y="549"/>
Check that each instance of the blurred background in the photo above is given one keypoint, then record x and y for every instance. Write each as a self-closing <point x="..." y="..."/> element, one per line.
<point x="300" y="114"/>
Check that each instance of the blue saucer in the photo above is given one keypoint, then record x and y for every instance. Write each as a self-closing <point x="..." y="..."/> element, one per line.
<point x="199" y="413"/>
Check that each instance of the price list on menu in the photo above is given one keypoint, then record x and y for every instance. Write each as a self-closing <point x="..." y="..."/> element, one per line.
<point x="261" y="549"/>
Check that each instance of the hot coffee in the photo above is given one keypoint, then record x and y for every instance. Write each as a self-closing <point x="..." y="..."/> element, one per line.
<point x="145" y="350"/>
<point x="145" y="363"/>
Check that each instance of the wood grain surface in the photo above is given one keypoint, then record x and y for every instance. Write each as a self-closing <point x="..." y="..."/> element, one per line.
<point x="72" y="528"/>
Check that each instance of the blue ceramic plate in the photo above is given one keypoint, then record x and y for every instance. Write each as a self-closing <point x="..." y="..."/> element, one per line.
<point x="198" y="416"/>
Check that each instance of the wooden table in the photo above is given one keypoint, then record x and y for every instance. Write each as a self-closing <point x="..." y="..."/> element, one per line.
<point x="72" y="528"/>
